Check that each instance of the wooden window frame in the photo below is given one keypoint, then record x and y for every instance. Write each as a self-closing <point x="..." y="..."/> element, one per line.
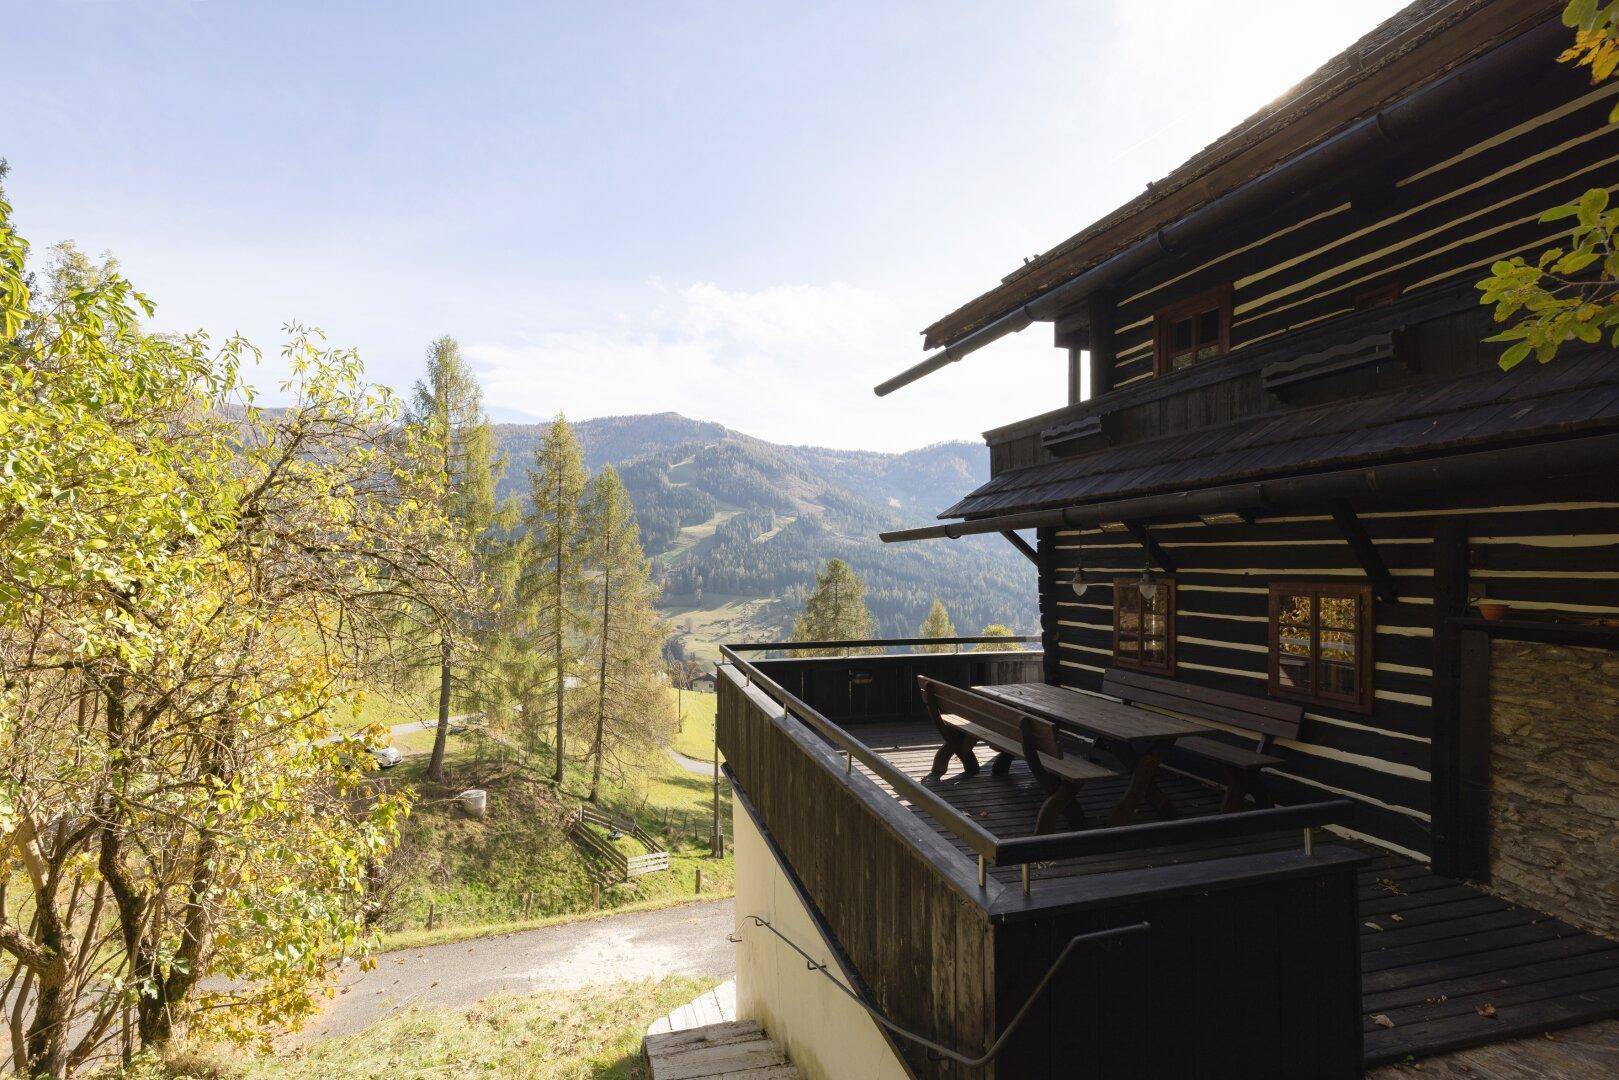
<point x="1122" y="586"/>
<point x="1365" y="638"/>
<point x="1218" y="299"/>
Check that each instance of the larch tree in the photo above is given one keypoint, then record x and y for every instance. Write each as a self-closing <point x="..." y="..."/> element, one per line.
<point x="937" y="625"/>
<point x="835" y="609"/>
<point x="626" y="632"/>
<point x="555" y="588"/>
<point x="460" y="447"/>
<point x="994" y="630"/>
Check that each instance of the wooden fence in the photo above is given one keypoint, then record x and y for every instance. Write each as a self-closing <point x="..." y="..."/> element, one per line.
<point x="623" y="866"/>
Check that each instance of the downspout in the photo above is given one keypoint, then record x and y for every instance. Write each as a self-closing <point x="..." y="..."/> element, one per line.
<point x="1447" y="96"/>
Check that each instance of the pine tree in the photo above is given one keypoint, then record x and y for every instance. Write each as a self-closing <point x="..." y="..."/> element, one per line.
<point x="835" y="609"/>
<point x="627" y="633"/>
<point x="448" y="410"/>
<point x="555" y="587"/>
<point x="937" y="625"/>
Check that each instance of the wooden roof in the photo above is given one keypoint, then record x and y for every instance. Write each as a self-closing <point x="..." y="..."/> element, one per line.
<point x="1411" y="48"/>
<point x="1576" y="394"/>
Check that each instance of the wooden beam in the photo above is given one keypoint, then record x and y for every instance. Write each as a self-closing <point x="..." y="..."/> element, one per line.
<point x="1160" y="558"/>
<point x="1099" y="306"/>
<point x="1450" y="562"/>
<point x="1365" y="552"/>
<point x="1022" y="545"/>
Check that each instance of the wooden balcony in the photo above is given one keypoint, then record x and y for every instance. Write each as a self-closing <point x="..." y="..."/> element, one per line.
<point x="950" y="912"/>
<point x="1263" y="957"/>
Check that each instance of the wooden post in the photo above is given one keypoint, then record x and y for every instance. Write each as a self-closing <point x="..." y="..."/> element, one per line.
<point x="527" y="897"/>
<point x="1450" y="581"/>
<point x="432" y="910"/>
<point x="595" y="894"/>
<point x="699" y="889"/>
<point x="1099" y="305"/>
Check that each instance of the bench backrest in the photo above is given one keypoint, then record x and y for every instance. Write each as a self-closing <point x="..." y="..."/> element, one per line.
<point x="1266" y="718"/>
<point x="1035" y="732"/>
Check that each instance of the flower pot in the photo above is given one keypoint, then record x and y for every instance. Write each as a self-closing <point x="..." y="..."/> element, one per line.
<point x="1492" y="610"/>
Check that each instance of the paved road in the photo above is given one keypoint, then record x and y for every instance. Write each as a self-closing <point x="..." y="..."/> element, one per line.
<point x="686" y="940"/>
<point x="692" y="765"/>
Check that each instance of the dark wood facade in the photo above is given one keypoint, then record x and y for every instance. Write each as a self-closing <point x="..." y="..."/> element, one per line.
<point x="1359" y="290"/>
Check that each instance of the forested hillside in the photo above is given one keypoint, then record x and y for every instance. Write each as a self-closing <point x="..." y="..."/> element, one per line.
<point x="738" y="526"/>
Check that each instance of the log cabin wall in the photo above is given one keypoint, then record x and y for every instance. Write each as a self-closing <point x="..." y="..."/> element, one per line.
<point x="1551" y="553"/>
<point x="1428" y="226"/>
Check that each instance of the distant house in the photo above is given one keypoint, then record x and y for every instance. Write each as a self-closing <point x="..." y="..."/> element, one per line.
<point x="704" y="683"/>
<point x="1302" y="515"/>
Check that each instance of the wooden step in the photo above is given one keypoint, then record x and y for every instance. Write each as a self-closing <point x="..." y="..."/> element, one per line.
<point x="735" y="1050"/>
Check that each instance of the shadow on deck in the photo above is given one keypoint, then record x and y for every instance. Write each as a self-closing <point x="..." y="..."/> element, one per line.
<point x="1444" y="965"/>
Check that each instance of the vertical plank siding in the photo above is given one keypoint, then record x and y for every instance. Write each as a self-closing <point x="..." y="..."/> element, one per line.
<point x="923" y="949"/>
<point x="1541" y="556"/>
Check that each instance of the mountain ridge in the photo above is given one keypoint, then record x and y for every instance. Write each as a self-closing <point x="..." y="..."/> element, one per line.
<point x="737" y="526"/>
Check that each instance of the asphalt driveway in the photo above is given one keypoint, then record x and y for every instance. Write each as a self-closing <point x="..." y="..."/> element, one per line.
<point x="685" y="940"/>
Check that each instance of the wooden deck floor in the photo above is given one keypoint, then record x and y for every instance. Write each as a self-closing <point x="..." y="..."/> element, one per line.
<point x="1444" y="965"/>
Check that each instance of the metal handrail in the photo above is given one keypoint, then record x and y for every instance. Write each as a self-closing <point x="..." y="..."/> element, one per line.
<point x="868" y="643"/>
<point x="970" y="832"/>
<point x="940" y="1049"/>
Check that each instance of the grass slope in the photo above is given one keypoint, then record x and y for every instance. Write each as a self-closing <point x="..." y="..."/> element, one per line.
<point x="593" y="1033"/>
<point x="474" y="874"/>
<point x="695" y="736"/>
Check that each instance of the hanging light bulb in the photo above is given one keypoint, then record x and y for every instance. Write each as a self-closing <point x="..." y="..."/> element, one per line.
<point x="1078" y="583"/>
<point x="1148" y="585"/>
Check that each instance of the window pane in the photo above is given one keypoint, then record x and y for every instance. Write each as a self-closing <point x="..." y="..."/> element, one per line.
<point x="1152" y="649"/>
<point x="1294" y="672"/>
<point x="1208" y="327"/>
<point x="1294" y="608"/>
<point x="1339" y="612"/>
<point x="1127" y="646"/>
<point x="1339" y="678"/>
<point x="1129" y="623"/>
<point x="1180" y="336"/>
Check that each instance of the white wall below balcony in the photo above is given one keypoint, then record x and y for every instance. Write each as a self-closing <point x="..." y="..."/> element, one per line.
<point x="826" y="1034"/>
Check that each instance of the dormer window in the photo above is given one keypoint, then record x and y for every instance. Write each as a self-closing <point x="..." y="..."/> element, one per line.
<point x="1193" y="330"/>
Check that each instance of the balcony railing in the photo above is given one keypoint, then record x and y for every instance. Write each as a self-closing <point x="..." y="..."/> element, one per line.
<point x="840" y="658"/>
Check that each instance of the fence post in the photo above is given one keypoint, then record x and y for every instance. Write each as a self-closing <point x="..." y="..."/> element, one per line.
<point x="527" y="897"/>
<point x="595" y="894"/>
<point x="432" y="910"/>
<point x="699" y="880"/>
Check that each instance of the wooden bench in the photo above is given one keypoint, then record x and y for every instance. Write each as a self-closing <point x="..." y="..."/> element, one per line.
<point x="1240" y="768"/>
<point x="965" y="719"/>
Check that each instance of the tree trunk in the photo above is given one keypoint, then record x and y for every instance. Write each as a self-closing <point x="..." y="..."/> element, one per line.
<point x="601" y="685"/>
<point x="435" y="767"/>
<point x="558" y="644"/>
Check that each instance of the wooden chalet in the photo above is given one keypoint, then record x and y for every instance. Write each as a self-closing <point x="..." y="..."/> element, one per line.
<point x="1303" y="515"/>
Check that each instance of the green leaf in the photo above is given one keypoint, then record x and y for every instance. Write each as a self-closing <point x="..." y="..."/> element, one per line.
<point x="1514" y="356"/>
<point x="1592" y="203"/>
<point x="1558" y="213"/>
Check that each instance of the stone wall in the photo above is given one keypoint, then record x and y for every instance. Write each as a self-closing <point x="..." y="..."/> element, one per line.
<point x="1554" y="771"/>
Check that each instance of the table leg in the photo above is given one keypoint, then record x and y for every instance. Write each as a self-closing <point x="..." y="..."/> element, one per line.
<point x="1141" y="785"/>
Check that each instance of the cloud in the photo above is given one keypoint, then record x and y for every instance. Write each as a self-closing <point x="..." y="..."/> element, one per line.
<point x="791" y="363"/>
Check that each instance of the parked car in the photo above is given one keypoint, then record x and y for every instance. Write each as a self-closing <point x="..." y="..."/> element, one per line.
<point x="387" y="756"/>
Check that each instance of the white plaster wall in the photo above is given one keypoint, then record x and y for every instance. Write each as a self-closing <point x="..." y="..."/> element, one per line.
<point x="826" y="1035"/>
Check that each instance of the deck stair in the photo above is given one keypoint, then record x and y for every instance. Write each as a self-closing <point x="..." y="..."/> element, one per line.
<point x="733" y="1050"/>
<point x="703" y="1039"/>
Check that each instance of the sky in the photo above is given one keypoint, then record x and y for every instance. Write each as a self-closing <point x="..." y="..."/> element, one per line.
<point x="741" y="211"/>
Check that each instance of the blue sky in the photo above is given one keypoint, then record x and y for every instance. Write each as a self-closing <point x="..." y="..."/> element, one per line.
<point x="744" y="212"/>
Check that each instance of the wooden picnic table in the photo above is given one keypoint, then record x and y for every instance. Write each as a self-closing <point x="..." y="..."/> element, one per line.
<point x="1137" y="738"/>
